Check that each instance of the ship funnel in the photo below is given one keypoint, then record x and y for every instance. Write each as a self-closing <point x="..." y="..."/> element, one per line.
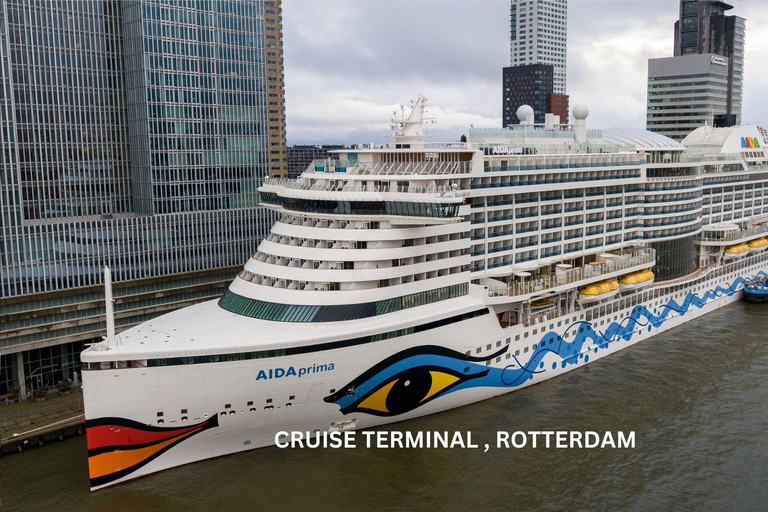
<point x="109" y="302"/>
<point x="580" y="114"/>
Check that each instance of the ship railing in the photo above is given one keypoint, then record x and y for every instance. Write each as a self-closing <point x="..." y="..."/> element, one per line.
<point x="351" y="167"/>
<point x="735" y="235"/>
<point x="358" y="186"/>
<point x="540" y="283"/>
<point x="277" y="182"/>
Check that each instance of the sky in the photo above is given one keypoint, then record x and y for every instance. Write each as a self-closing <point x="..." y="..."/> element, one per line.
<point x="349" y="64"/>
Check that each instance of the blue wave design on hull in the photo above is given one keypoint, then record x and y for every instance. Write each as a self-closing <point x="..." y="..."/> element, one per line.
<point x="518" y="373"/>
<point x="572" y="353"/>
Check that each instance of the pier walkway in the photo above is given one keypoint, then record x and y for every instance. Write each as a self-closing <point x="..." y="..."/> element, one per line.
<point x="31" y="423"/>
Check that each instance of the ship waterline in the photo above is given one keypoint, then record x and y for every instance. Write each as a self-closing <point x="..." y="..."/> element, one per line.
<point x="408" y="279"/>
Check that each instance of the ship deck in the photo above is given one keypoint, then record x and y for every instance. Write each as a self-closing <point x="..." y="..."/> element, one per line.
<point x="208" y="329"/>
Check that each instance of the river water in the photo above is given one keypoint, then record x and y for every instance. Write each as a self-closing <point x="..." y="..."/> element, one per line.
<point x="696" y="397"/>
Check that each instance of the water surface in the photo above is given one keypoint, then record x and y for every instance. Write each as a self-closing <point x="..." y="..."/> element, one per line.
<point x="696" y="396"/>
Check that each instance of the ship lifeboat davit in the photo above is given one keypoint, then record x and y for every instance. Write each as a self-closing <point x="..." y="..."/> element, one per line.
<point x="736" y="251"/>
<point x="636" y="281"/>
<point x="598" y="291"/>
<point x="758" y="245"/>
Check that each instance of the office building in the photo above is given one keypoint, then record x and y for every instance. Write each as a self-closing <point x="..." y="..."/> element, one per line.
<point x="703" y="29"/>
<point x="686" y="92"/>
<point x="300" y="156"/>
<point x="558" y="105"/>
<point x="527" y="85"/>
<point x="273" y="29"/>
<point x="538" y="35"/>
<point x="134" y="134"/>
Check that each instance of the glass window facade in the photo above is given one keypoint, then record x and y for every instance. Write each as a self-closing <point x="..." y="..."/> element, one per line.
<point x="674" y="258"/>
<point x="134" y="134"/>
<point x="405" y="208"/>
<point x="291" y="313"/>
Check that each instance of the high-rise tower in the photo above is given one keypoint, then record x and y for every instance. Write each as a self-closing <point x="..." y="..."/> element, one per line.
<point x="703" y="27"/>
<point x="538" y="31"/>
<point x="134" y="134"/>
<point x="704" y="81"/>
<point x="538" y="35"/>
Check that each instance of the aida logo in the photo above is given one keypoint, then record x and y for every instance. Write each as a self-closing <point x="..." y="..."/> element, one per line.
<point x="278" y="373"/>
<point x="750" y="142"/>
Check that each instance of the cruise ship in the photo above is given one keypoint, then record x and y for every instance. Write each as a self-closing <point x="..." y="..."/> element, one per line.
<point x="413" y="277"/>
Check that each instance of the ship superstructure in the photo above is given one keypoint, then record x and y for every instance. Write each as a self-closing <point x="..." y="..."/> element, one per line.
<point x="413" y="277"/>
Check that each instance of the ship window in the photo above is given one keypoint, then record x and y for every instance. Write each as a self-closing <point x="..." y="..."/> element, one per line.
<point x="333" y="391"/>
<point x="525" y="335"/>
<point x="488" y="347"/>
<point x="525" y="350"/>
<point x="183" y="411"/>
<point x="228" y="406"/>
<point x="269" y="400"/>
<point x="517" y="352"/>
<point x="159" y="415"/>
<point x="249" y="403"/>
<point x="498" y="343"/>
<point x="517" y="338"/>
<point x="292" y="397"/>
<point x="478" y="350"/>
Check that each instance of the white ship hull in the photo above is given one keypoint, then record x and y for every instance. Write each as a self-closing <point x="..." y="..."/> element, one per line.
<point x="215" y="409"/>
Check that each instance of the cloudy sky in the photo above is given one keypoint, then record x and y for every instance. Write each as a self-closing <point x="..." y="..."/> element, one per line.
<point x="348" y="64"/>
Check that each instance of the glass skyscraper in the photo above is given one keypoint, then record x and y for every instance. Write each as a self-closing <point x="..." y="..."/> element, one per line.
<point x="134" y="134"/>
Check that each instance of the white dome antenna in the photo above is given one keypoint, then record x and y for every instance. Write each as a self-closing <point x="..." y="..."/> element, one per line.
<point x="580" y="114"/>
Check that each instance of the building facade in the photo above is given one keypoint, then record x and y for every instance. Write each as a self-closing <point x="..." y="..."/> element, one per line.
<point x="273" y="28"/>
<point x="703" y="30"/>
<point x="686" y="92"/>
<point x="300" y="156"/>
<point x="134" y="135"/>
<point x="538" y="35"/>
<point x="558" y="105"/>
<point x="531" y="85"/>
<point x="704" y="27"/>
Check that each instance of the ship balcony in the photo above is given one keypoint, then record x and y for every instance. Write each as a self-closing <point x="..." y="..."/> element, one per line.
<point x="729" y="234"/>
<point x="554" y="278"/>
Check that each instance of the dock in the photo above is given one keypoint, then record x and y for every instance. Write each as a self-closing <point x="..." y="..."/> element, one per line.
<point x="30" y="424"/>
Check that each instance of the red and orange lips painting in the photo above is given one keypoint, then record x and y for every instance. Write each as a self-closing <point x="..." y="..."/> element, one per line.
<point x="117" y="447"/>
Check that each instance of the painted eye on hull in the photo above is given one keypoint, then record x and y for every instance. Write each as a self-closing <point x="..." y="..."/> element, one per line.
<point x="408" y="390"/>
<point x="409" y="379"/>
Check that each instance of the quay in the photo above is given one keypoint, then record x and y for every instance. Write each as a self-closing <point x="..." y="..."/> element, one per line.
<point x="28" y="424"/>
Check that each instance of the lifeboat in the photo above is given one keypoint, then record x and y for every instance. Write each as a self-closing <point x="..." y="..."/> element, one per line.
<point x="758" y="245"/>
<point x="598" y="291"/>
<point x="636" y="281"/>
<point x="736" y="251"/>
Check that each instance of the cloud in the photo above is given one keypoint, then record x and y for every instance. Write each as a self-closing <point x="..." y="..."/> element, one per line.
<point x="349" y="64"/>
